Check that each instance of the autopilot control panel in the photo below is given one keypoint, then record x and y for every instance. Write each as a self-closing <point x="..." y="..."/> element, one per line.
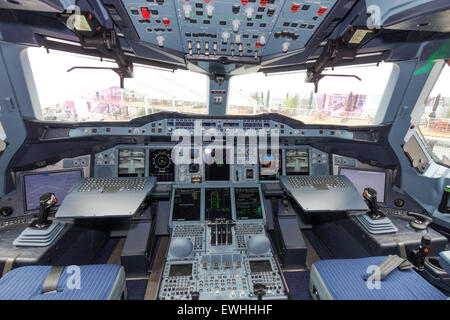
<point x="219" y="248"/>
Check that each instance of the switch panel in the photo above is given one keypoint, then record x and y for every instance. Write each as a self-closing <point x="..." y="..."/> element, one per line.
<point x="206" y="29"/>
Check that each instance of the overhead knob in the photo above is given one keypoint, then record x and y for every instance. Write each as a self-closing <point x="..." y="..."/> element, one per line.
<point x="236" y="23"/>
<point x="160" y="40"/>
<point x="249" y="12"/>
<point x="285" y="46"/>
<point x="187" y="8"/>
<point x="237" y="39"/>
<point x="209" y="10"/>
<point x="225" y="36"/>
<point x="262" y="40"/>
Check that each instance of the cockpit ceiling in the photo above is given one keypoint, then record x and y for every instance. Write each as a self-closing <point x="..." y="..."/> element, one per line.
<point x="272" y="35"/>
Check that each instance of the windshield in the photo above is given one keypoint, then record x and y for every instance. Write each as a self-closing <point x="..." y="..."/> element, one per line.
<point x="339" y="100"/>
<point x="95" y="95"/>
<point x="434" y="126"/>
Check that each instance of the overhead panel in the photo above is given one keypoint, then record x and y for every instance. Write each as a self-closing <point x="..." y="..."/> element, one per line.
<point x="205" y="29"/>
<point x="155" y="22"/>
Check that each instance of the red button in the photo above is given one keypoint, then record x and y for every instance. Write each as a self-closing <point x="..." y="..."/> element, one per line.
<point x="295" y="7"/>
<point x="263" y="2"/>
<point x="321" y="10"/>
<point x="145" y="13"/>
<point x="257" y="44"/>
<point x="244" y="1"/>
<point x="166" y="22"/>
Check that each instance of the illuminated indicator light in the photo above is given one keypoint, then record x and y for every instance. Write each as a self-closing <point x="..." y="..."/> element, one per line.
<point x="257" y="44"/>
<point x="425" y="250"/>
<point x="295" y="7"/>
<point x="54" y="200"/>
<point x="207" y="1"/>
<point x="365" y="194"/>
<point x="263" y="2"/>
<point x="99" y="28"/>
<point x="244" y="1"/>
<point x="90" y="15"/>
<point x="321" y="10"/>
<point x="166" y="21"/>
<point x="145" y="13"/>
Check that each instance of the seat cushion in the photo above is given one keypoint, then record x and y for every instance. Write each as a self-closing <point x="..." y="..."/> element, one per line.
<point x="96" y="282"/>
<point x="444" y="260"/>
<point x="343" y="279"/>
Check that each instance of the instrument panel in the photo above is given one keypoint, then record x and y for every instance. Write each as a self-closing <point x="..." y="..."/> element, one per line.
<point x="216" y="202"/>
<point x="156" y="161"/>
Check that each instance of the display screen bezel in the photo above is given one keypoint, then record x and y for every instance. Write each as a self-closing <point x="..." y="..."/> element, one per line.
<point x="21" y="179"/>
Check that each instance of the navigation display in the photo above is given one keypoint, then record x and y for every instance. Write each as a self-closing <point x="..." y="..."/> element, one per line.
<point x="270" y="167"/>
<point x="186" y="205"/>
<point x="131" y="162"/>
<point x="297" y="162"/>
<point x="58" y="183"/>
<point x="161" y="165"/>
<point x="217" y="204"/>
<point x="248" y="203"/>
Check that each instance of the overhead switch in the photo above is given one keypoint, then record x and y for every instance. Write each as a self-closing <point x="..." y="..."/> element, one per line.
<point x="225" y="36"/>
<point x="236" y="23"/>
<point x="160" y="40"/>
<point x="145" y="13"/>
<point x="262" y="40"/>
<point x="249" y="12"/>
<point x="209" y="10"/>
<point x="187" y="8"/>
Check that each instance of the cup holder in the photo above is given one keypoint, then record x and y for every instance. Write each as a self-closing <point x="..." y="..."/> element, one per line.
<point x="434" y="263"/>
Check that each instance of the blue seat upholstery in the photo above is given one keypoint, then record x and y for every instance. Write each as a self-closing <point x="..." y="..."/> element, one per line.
<point x="444" y="261"/>
<point x="96" y="282"/>
<point x="344" y="279"/>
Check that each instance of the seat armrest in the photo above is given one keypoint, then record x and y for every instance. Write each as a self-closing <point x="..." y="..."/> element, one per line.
<point x="444" y="261"/>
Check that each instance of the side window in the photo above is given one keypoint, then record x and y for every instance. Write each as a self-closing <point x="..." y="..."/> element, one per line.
<point x="434" y="126"/>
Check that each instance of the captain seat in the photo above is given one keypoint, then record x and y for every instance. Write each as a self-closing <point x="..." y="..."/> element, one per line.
<point x="344" y="279"/>
<point x="87" y="282"/>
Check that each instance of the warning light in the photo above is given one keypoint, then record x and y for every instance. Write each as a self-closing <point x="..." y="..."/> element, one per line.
<point x="263" y="2"/>
<point x="425" y="250"/>
<point x="257" y="44"/>
<point x="244" y="1"/>
<point x="207" y="1"/>
<point x="54" y="200"/>
<point x="166" y="22"/>
<point x="365" y="194"/>
<point x="321" y="10"/>
<point x="295" y="7"/>
<point x="145" y="13"/>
